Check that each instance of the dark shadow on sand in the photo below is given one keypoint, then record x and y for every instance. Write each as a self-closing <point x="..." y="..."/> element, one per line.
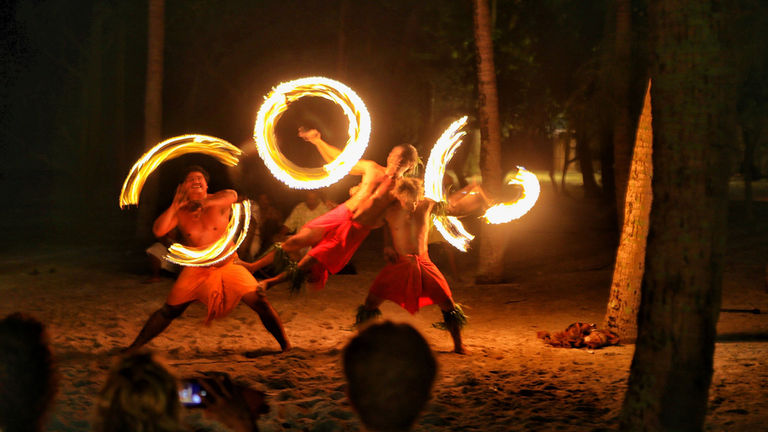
<point x="743" y="337"/>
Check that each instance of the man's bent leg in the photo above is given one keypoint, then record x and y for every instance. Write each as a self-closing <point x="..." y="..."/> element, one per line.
<point x="306" y="237"/>
<point x="295" y="275"/>
<point x="157" y="322"/>
<point x="454" y="320"/>
<point x="269" y="318"/>
<point x="292" y="247"/>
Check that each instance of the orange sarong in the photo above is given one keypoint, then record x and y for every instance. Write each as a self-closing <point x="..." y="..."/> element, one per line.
<point x="219" y="287"/>
<point x="412" y="282"/>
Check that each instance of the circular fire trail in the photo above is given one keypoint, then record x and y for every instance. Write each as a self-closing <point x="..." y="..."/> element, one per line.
<point x="225" y="153"/>
<point x="277" y="103"/>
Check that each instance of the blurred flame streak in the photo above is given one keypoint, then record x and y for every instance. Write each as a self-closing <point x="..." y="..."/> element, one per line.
<point x="219" y="250"/>
<point x="506" y="212"/>
<point x="277" y="102"/>
<point x="174" y="147"/>
<point x="171" y="148"/>
<point x="449" y="226"/>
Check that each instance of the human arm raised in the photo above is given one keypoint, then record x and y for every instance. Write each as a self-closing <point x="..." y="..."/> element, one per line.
<point x="169" y="218"/>
<point x="329" y="152"/>
<point x="221" y="198"/>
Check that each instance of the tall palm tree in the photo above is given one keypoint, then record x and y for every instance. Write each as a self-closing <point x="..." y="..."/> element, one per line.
<point x="624" y="299"/>
<point x="672" y="368"/>
<point x="153" y="106"/>
<point x="492" y="245"/>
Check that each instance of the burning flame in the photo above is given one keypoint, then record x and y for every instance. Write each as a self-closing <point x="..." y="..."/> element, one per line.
<point x="175" y="147"/>
<point x="219" y="250"/>
<point x="505" y="212"/>
<point x="448" y="226"/>
<point x="277" y="103"/>
<point x="169" y="149"/>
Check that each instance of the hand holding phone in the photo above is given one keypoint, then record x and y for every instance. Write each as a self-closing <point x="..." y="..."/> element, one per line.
<point x="192" y="394"/>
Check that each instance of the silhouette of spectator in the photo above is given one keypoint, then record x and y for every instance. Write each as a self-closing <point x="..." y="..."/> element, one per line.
<point x="313" y="206"/>
<point x="271" y="219"/>
<point x="390" y="370"/>
<point x="157" y="263"/>
<point x="249" y="249"/>
<point x="142" y="395"/>
<point x="27" y="376"/>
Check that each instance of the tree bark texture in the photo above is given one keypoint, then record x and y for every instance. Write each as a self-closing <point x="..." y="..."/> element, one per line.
<point x="492" y="242"/>
<point x="153" y="110"/>
<point x="624" y="299"/>
<point x="672" y="366"/>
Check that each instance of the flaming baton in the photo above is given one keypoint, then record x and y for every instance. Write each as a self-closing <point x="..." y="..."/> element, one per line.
<point x="219" y="250"/>
<point x="172" y="148"/>
<point x="505" y="212"/>
<point x="277" y="103"/>
<point x="450" y="227"/>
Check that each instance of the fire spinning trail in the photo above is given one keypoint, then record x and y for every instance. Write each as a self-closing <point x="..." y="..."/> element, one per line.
<point x="277" y="103"/>
<point x="172" y="148"/>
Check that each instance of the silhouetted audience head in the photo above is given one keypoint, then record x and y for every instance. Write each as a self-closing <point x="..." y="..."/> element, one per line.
<point x="27" y="376"/>
<point x="140" y="395"/>
<point x="390" y="370"/>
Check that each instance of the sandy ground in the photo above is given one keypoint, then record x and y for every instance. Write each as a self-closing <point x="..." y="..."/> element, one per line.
<point x="93" y="301"/>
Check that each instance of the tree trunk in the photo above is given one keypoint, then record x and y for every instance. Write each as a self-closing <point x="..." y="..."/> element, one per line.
<point x="341" y="41"/>
<point x="90" y="167"/>
<point x="672" y="366"/>
<point x="153" y="110"/>
<point x="584" y="155"/>
<point x="492" y="243"/>
<point x="620" y="102"/>
<point x="624" y="299"/>
<point x="748" y="172"/>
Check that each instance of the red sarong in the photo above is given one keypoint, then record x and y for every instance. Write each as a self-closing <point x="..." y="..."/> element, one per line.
<point x="341" y="238"/>
<point x="412" y="282"/>
<point x="220" y="287"/>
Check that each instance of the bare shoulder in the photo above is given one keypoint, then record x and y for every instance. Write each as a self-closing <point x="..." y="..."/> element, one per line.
<point x="371" y="168"/>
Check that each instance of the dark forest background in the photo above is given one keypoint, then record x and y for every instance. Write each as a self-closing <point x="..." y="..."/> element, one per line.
<point x="74" y="71"/>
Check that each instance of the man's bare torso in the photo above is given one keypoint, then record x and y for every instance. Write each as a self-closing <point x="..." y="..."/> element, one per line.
<point x="409" y="229"/>
<point x="200" y="224"/>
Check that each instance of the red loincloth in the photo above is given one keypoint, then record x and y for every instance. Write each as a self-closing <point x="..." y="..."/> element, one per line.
<point x="341" y="238"/>
<point x="412" y="282"/>
<point x="220" y="287"/>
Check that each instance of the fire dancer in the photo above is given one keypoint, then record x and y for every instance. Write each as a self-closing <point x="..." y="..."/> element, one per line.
<point x="201" y="219"/>
<point x="336" y="235"/>
<point x="411" y="279"/>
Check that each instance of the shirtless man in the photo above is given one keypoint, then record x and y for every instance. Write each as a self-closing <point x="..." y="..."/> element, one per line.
<point x="336" y="235"/>
<point x="411" y="279"/>
<point x="201" y="219"/>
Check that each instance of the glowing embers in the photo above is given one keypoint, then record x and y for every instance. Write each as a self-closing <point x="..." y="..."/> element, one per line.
<point x="219" y="250"/>
<point x="277" y="103"/>
<point x="506" y="212"/>
<point x="171" y="148"/>
<point x="448" y="226"/>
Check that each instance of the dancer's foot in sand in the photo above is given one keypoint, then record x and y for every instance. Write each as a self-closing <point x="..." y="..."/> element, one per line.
<point x="462" y="349"/>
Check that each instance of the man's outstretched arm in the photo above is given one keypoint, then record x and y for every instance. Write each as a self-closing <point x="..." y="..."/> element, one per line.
<point x="329" y="152"/>
<point x="467" y="200"/>
<point x="221" y="198"/>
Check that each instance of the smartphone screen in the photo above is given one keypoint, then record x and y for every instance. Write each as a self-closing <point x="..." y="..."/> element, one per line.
<point x="191" y="394"/>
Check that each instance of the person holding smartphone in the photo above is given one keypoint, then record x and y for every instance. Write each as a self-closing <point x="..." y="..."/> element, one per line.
<point x="142" y="394"/>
